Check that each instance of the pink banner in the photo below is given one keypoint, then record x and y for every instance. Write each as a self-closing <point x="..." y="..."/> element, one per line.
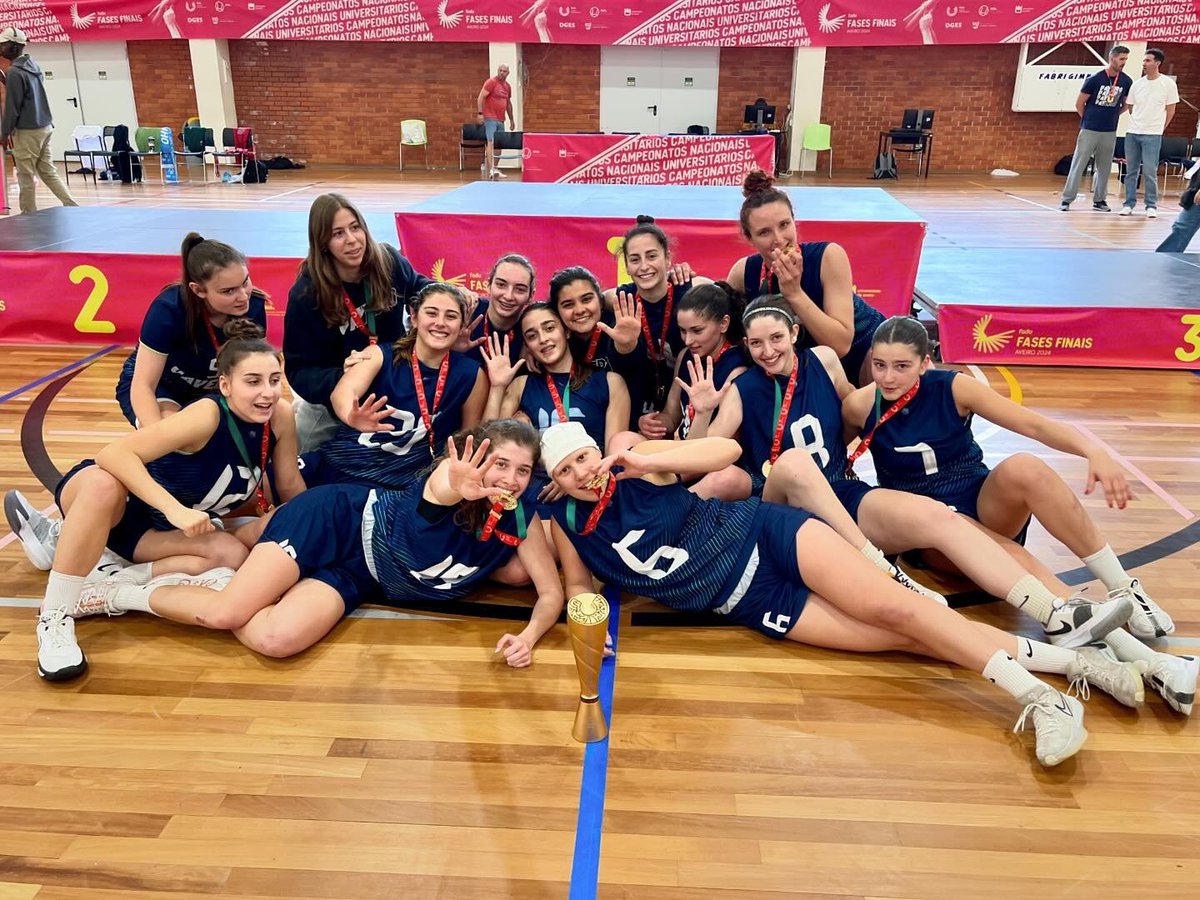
<point x="102" y="297"/>
<point x="673" y="23"/>
<point x="461" y="249"/>
<point x="645" y="158"/>
<point x="1054" y="336"/>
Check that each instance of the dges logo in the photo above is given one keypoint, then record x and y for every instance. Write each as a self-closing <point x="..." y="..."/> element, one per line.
<point x="438" y="267"/>
<point x="448" y="20"/>
<point x="989" y="343"/>
<point x="81" y="22"/>
<point x="827" y="23"/>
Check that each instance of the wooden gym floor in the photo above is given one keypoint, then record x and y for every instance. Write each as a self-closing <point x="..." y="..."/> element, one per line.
<point x="399" y="759"/>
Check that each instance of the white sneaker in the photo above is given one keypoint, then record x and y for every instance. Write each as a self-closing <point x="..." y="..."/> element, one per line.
<point x="59" y="655"/>
<point x="1126" y="211"/>
<point x="1152" y="213"/>
<point x="118" y="570"/>
<point x="99" y="597"/>
<point x="496" y="173"/>
<point x="1057" y="723"/>
<point x="37" y="533"/>
<point x="1149" y="620"/>
<point x="1079" y="622"/>
<point x="214" y="579"/>
<point x="1100" y="667"/>
<point x="1175" y="678"/>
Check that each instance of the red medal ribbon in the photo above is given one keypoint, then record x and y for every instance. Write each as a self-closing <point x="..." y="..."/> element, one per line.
<point x="212" y="333"/>
<point x="358" y="320"/>
<point x="602" y="504"/>
<point x="592" y="345"/>
<point x="784" y="408"/>
<point x="487" y="330"/>
<point x="263" y="506"/>
<point x="865" y="443"/>
<point x="656" y="350"/>
<point x="559" y="406"/>
<point x="419" y="385"/>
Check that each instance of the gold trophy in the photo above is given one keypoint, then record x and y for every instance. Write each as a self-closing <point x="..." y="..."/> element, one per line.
<point x="587" y="620"/>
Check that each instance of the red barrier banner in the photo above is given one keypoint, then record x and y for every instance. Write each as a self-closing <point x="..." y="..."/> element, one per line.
<point x="73" y="298"/>
<point x="461" y="249"/>
<point x="645" y="158"/>
<point x="668" y="23"/>
<point x="1055" y="336"/>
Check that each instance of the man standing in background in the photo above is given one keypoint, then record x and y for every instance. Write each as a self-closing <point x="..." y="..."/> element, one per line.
<point x="1099" y="106"/>
<point x="493" y="105"/>
<point x="1151" y="103"/>
<point x="26" y="125"/>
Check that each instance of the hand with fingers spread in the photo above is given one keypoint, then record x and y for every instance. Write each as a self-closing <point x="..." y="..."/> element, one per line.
<point x="788" y="266"/>
<point x="627" y="327"/>
<point x="1105" y="471"/>
<point x="500" y="369"/>
<point x="369" y="414"/>
<point x="465" y="472"/>
<point x="633" y="464"/>
<point x="680" y="273"/>
<point x="702" y="393"/>
<point x="464" y="343"/>
<point x="653" y="426"/>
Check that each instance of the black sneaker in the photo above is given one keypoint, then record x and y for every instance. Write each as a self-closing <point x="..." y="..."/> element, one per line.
<point x="1064" y="206"/>
<point x="1101" y="207"/>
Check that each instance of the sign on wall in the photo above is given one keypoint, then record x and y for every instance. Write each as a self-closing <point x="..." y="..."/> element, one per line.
<point x="673" y="23"/>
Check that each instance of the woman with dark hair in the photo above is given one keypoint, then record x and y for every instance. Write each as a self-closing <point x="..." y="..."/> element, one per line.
<point x="155" y="496"/>
<point x="510" y="287"/>
<point x="174" y="363"/>
<point x="813" y="277"/>
<point x="350" y="293"/>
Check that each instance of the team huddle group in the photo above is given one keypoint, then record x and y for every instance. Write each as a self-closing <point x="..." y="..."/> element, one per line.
<point x="675" y="437"/>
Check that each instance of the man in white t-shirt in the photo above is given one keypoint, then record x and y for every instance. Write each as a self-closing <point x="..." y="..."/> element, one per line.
<point x="1151" y="104"/>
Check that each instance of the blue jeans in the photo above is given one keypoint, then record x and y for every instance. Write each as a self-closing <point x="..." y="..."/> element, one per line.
<point x="490" y="127"/>
<point x="1187" y="223"/>
<point x="1141" y="151"/>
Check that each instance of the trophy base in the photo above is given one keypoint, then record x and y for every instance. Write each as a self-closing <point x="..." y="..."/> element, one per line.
<point x="589" y="726"/>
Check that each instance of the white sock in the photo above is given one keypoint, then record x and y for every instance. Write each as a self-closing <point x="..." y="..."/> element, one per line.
<point x="875" y="555"/>
<point x="1006" y="673"/>
<point x="133" y="598"/>
<point x="1105" y="566"/>
<point x="1127" y="647"/>
<point x="1034" y="597"/>
<point x="62" y="591"/>
<point x="139" y="573"/>
<point x="1035" y="656"/>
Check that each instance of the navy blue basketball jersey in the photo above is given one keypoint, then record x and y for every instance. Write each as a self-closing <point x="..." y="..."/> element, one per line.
<point x="665" y="543"/>
<point x="656" y="312"/>
<point x="587" y="404"/>
<point x="814" y="420"/>
<point x="927" y="448"/>
<point x="190" y="369"/>
<point x="516" y="341"/>
<point x="214" y="478"/>
<point x="866" y="317"/>
<point x="416" y="559"/>
<point x="734" y="357"/>
<point x="653" y="379"/>
<point x="392" y="459"/>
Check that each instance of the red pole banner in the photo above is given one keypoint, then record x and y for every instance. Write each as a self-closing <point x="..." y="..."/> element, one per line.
<point x="645" y="158"/>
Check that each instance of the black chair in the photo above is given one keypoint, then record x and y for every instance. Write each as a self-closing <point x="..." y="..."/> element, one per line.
<point x="698" y="129"/>
<point x="96" y="145"/>
<point x="1174" y="154"/>
<point x="507" y="140"/>
<point x="913" y="143"/>
<point x="473" y="138"/>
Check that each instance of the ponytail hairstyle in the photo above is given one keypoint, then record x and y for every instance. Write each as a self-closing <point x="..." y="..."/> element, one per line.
<point x="404" y="348"/>
<point x="471" y="514"/>
<point x="201" y="258"/>
<point x="759" y="190"/>
<point x="581" y="371"/>
<point x="375" y="270"/>
<point x="570" y="275"/>
<point x="715" y="301"/>
<point x="244" y="338"/>
<point x="645" y="225"/>
<point x="903" y="330"/>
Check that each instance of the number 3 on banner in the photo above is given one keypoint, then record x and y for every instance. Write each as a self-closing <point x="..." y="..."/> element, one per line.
<point x="1192" y="337"/>
<point x="86" y="321"/>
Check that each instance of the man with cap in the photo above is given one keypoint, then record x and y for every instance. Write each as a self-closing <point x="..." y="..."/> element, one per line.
<point x="26" y="125"/>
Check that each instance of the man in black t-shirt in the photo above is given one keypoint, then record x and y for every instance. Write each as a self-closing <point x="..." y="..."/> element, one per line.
<point x="1099" y="106"/>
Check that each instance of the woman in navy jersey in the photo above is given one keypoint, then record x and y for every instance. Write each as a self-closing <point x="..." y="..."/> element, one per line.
<point x="350" y="293"/>
<point x="414" y="394"/>
<point x="510" y="287"/>
<point x="600" y="337"/>
<point x="791" y="400"/>
<point x="775" y="569"/>
<point x="930" y="450"/>
<point x="336" y="547"/>
<point x="153" y="497"/>
<point x="814" y="277"/>
<point x="175" y="361"/>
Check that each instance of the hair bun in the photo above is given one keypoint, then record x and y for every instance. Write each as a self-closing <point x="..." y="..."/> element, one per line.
<point x="756" y="182"/>
<point x="645" y="220"/>
<point x="243" y="329"/>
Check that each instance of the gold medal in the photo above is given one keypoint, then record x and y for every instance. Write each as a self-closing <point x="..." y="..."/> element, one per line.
<point x="508" y="501"/>
<point x="766" y="469"/>
<point x="597" y="484"/>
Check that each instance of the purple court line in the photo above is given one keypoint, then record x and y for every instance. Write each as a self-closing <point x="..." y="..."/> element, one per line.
<point x="59" y="372"/>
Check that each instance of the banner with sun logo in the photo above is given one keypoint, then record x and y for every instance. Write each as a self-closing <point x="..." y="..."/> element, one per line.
<point x="668" y="23"/>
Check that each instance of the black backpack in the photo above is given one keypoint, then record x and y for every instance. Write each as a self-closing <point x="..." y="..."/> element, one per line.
<point x="1063" y="166"/>
<point x="885" y="166"/>
<point x="254" y="172"/>
<point x="127" y="166"/>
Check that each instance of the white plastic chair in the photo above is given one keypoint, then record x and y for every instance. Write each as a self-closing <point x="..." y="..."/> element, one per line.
<point x="412" y="134"/>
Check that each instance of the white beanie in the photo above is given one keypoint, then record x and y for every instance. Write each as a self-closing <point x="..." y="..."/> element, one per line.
<point x="560" y="441"/>
<point x="13" y="35"/>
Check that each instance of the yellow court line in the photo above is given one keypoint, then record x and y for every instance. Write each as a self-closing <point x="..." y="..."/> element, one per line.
<point x="1015" y="393"/>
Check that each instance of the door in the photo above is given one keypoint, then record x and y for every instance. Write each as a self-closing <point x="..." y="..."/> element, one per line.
<point x="654" y="90"/>
<point x="62" y="90"/>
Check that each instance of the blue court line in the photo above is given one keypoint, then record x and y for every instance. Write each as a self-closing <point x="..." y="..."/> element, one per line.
<point x="59" y="373"/>
<point x="585" y="867"/>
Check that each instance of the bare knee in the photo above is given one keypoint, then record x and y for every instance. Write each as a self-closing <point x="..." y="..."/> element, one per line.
<point x="277" y="643"/>
<point x="894" y="612"/>
<point x="1025" y="473"/>
<point x="512" y="573"/>
<point x="101" y="489"/>
<point x="730" y="483"/>
<point x="623" y="440"/>
<point x="222" y="551"/>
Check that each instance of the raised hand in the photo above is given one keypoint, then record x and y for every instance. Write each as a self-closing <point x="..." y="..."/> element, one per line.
<point x="702" y="393"/>
<point x="653" y="426"/>
<point x="500" y="369"/>
<point x="465" y="472"/>
<point x="788" y="268"/>
<point x="627" y="327"/>
<point x="463" y="342"/>
<point x="680" y="273"/>
<point x="368" y="415"/>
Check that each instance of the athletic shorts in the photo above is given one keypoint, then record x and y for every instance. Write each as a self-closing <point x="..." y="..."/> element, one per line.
<point x="124" y="536"/>
<point x="770" y="595"/>
<point x="850" y="493"/>
<point x="321" y="530"/>
<point x="966" y="501"/>
<point x="491" y="127"/>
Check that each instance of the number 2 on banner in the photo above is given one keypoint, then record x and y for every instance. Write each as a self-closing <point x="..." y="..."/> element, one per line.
<point x="86" y="321"/>
<point x="1192" y="337"/>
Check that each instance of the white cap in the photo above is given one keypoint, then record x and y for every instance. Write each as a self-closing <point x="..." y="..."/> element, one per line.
<point x="13" y="35"/>
<point x="560" y="441"/>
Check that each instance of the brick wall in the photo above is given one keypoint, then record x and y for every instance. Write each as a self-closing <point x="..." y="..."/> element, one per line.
<point x="337" y="103"/>
<point x="162" y="82"/>
<point x="562" y="90"/>
<point x="1183" y="61"/>
<point x="748" y="73"/>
